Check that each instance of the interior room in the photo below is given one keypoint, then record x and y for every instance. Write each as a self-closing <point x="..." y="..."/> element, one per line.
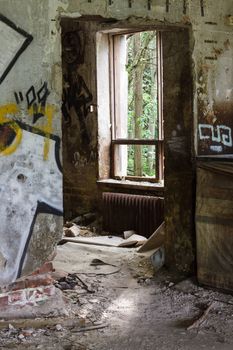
<point x="116" y="174"/>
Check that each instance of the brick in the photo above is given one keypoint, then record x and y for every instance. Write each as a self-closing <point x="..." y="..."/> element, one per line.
<point x="3" y="300"/>
<point x="49" y="290"/>
<point x="31" y="281"/>
<point x="38" y="280"/>
<point x="16" y="297"/>
<point x="17" y="285"/>
<point x="47" y="267"/>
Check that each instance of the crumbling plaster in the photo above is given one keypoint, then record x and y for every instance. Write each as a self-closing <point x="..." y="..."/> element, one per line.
<point x="31" y="173"/>
<point x="211" y="49"/>
<point x="30" y="122"/>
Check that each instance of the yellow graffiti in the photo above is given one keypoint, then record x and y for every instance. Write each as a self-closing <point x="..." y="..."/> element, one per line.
<point x="9" y="110"/>
<point x="48" y="112"/>
<point x="4" y="112"/>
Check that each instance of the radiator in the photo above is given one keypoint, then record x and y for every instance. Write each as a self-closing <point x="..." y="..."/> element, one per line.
<point x="122" y="212"/>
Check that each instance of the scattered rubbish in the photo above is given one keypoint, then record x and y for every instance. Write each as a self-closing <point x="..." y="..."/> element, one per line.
<point x="85" y="219"/>
<point x="73" y="231"/>
<point x="72" y="282"/>
<point x="155" y="241"/>
<point x="133" y="240"/>
<point x="197" y="323"/>
<point x="76" y="258"/>
<point x="98" y="262"/>
<point x="21" y="336"/>
<point x="128" y="234"/>
<point x="109" y="241"/>
<point x="90" y="328"/>
<point x="59" y="327"/>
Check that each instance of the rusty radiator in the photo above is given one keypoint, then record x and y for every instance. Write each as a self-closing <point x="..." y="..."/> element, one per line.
<point x="122" y="212"/>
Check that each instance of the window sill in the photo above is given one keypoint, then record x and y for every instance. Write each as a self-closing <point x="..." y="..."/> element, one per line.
<point x="139" y="185"/>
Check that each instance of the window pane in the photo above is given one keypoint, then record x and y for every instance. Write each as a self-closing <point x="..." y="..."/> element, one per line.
<point x="136" y="86"/>
<point x="135" y="160"/>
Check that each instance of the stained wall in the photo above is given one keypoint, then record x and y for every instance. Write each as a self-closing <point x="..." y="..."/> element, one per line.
<point x="197" y="127"/>
<point x="30" y="136"/>
<point x="30" y="116"/>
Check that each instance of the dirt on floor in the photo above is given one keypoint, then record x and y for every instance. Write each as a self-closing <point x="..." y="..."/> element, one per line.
<point x="126" y="305"/>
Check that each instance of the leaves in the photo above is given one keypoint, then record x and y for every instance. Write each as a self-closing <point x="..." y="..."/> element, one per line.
<point x="143" y="63"/>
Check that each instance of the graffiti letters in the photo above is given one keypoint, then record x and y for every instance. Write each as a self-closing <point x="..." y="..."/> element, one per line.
<point x="76" y="94"/>
<point x="220" y="134"/>
<point x="37" y="108"/>
<point x="36" y="100"/>
<point x="26" y="178"/>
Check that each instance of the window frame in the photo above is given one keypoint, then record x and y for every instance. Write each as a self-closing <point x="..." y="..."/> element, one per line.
<point x="158" y="143"/>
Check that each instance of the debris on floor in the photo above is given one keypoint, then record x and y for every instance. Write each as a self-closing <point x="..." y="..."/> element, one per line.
<point x="111" y="290"/>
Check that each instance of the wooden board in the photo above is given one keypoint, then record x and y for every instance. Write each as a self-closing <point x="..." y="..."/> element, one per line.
<point x="214" y="226"/>
<point x="155" y="241"/>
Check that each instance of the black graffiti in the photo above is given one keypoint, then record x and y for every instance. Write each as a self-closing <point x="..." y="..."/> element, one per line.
<point x="167" y="5"/>
<point x="73" y="44"/>
<point x="14" y="58"/>
<point x="44" y="208"/>
<point x="149" y="4"/>
<point x="77" y="95"/>
<point x="184" y="7"/>
<point x="35" y="99"/>
<point x="202" y="8"/>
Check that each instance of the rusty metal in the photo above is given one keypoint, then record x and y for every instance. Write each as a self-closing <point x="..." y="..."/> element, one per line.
<point x="122" y="212"/>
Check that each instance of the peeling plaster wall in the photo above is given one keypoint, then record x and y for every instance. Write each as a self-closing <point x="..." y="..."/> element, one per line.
<point x="30" y="132"/>
<point x="30" y="136"/>
<point x="210" y="44"/>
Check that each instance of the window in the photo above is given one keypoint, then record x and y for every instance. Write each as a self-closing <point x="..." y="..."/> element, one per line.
<point x="136" y="106"/>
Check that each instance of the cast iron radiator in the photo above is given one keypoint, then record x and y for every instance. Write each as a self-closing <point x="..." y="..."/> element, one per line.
<point x="122" y="212"/>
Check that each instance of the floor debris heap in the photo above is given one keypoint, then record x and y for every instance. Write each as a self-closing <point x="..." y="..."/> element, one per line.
<point x="115" y="298"/>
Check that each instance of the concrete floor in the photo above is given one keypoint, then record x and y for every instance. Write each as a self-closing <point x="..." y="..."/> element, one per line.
<point x="137" y="311"/>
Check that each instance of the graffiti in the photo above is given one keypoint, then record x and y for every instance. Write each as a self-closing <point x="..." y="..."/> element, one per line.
<point x="185" y="7"/>
<point x="76" y="94"/>
<point x="219" y="134"/>
<point x="10" y="131"/>
<point x="148" y="5"/>
<point x="36" y="101"/>
<point x="26" y="178"/>
<point x="13" y="42"/>
<point x="28" y="186"/>
<point x="202" y="8"/>
<point x="73" y="45"/>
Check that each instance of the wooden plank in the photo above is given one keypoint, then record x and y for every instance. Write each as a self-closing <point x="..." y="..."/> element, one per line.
<point x="155" y="241"/>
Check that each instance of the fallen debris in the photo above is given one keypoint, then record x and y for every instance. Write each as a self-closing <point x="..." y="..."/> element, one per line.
<point x="197" y="323"/>
<point x="90" y="328"/>
<point x="73" y="231"/>
<point x="108" y="241"/>
<point x="98" y="262"/>
<point x="155" y="241"/>
<point x="72" y="281"/>
<point x="128" y="233"/>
